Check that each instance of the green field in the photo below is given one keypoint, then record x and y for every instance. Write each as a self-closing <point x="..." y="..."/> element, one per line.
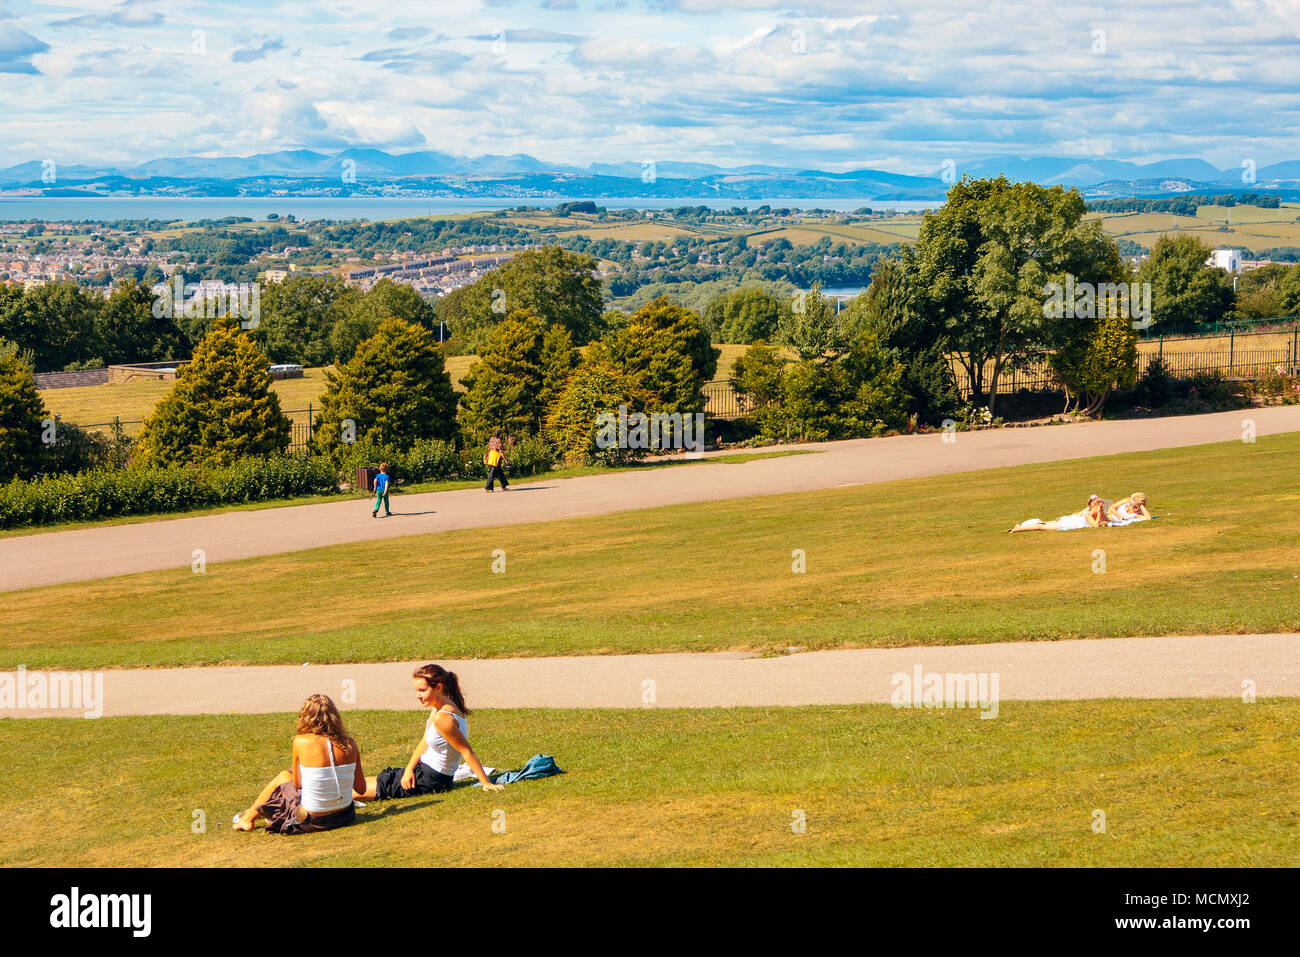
<point x="1181" y="783"/>
<point x="925" y="561"/>
<point x="131" y="402"/>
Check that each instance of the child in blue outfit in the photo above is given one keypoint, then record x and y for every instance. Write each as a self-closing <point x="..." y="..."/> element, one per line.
<point x="381" y="491"/>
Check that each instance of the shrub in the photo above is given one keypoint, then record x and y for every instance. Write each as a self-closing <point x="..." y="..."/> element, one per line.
<point x="77" y="450"/>
<point x="1155" y="387"/>
<point x="597" y="386"/>
<point x="109" y="493"/>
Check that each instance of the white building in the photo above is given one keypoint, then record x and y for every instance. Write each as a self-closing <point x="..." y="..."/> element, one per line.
<point x="1226" y="259"/>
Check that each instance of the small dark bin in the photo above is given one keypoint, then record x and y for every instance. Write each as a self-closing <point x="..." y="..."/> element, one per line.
<point x="366" y="478"/>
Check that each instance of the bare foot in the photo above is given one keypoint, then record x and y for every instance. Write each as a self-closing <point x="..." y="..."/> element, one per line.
<point x="242" y="822"/>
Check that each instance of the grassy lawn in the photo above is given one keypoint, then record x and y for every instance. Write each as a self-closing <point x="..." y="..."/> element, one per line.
<point x="133" y="401"/>
<point x="1181" y="783"/>
<point x="924" y="561"/>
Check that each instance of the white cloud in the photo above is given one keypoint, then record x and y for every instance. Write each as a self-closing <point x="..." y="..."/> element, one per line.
<point x="831" y="83"/>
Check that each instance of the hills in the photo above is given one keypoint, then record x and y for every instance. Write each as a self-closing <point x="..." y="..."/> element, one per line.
<point x="360" y="171"/>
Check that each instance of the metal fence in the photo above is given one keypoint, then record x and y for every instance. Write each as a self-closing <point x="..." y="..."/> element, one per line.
<point x="720" y="402"/>
<point x="1236" y="355"/>
<point x="301" y="428"/>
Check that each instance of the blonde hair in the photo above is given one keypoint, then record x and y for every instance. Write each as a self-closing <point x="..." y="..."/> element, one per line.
<point x="319" y="716"/>
<point x="1138" y="498"/>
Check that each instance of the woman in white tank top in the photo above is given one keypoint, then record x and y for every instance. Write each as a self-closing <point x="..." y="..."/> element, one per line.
<point x="444" y="744"/>
<point x="315" y="794"/>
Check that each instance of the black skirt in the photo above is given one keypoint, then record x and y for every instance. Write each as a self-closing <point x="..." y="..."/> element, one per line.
<point x="388" y="784"/>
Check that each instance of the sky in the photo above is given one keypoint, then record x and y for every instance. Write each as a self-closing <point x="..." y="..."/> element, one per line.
<point x="827" y="84"/>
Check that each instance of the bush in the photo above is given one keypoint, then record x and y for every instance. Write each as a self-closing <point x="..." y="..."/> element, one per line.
<point x="433" y="460"/>
<point x="530" y="455"/>
<point x="425" y="461"/>
<point x="77" y="450"/>
<point x="109" y="493"/>
<point x="1155" y="387"/>
<point x="596" y="388"/>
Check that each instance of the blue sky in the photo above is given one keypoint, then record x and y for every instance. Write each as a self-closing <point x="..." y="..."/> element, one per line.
<point x="832" y="84"/>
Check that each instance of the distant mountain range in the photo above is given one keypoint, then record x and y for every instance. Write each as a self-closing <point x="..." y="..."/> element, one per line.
<point x="372" y="172"/>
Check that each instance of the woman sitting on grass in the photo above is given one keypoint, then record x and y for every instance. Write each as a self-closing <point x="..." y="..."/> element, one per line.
<point x="445" y="742"/>
<point x="1129" y="510"/>
<point x="1091" y="516"/>
<point x="315" y="794"/>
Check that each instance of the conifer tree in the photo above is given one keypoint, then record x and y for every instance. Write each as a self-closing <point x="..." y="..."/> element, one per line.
<point x="221" y="409"/>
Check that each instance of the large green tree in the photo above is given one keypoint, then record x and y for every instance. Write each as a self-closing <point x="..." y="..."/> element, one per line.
<point x="577" y="423"/>
<point x="886" y="313"/>
<point x="503" y="387"/>
<point x="557" y="286"/>
<point x="55" y="321"/>
<point x="359" y="316"/>
<point x="393" y="392"/>
<point x="665" y="348"/>
<point x="558" y="359"/>
<point x="744" y="316"/>
<point x="984" y="262"/>
<point x="21" y="416"/>
<point x="221" y="409"/>
<point x="1184" y="290"/>
<point x="298" y="318"/>
<point x="134" y="326"/>
<point x="811" y="327"/>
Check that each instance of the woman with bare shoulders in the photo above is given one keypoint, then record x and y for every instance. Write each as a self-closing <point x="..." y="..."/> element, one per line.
<point x="1129" y="510"/>
<point x="445" y="742"/>
<point x="315" y="794"/>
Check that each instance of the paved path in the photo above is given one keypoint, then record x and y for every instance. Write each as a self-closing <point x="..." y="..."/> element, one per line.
<point x="1198" y="667"/>
<point x="53" y="557"/>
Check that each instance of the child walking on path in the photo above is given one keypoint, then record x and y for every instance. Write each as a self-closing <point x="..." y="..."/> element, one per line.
<point x="381" y="491"/>
<point x="495" y="460"/>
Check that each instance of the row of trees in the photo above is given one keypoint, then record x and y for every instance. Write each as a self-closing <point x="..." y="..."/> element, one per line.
<point x="394" y="391"/>
<point x="307" y="319"/>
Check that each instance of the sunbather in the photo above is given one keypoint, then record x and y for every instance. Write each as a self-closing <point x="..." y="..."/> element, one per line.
<point x="1093" y="515"/>
<point x="1129" y="510"/>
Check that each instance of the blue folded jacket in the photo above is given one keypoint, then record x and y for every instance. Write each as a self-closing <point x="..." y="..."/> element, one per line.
<point x="538" y="766"/>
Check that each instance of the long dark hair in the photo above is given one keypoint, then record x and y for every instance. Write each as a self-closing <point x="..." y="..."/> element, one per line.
<point x="438" y="675"/>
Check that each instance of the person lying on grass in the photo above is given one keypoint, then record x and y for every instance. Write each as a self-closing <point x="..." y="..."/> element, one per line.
<point x="445" y="742"/>
<point x="1093" y="515"/>
<point x="1129" y="510"/>
<point x="315" y="794"/>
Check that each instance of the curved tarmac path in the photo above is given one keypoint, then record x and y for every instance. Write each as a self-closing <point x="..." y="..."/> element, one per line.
<point x="1217" y="666"/>
<point x="29" y="561"/>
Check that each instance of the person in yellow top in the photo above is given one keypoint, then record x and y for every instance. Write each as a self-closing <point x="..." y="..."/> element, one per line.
<point x="495" y="460"/>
